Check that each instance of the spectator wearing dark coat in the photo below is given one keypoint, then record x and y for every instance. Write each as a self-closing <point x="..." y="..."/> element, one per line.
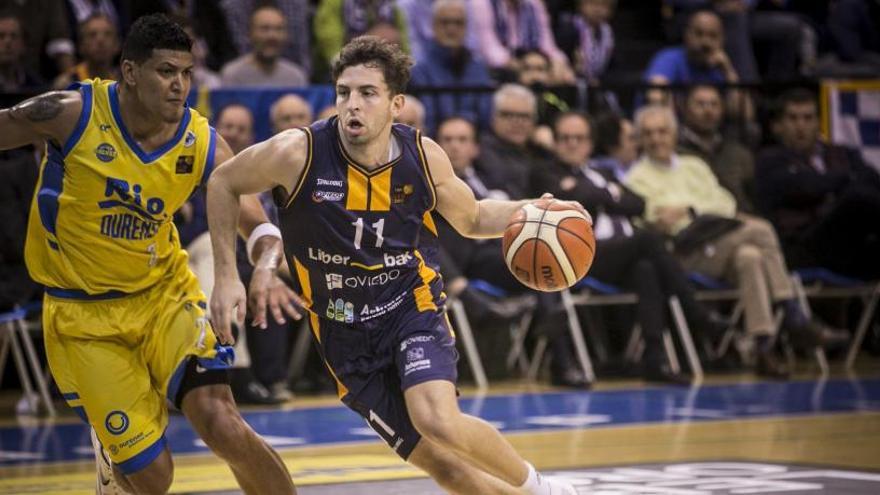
<point x="823" y="199"/>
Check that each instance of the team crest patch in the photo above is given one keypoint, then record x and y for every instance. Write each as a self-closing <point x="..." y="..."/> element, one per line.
<point x="184" y="164"/>
<point x="105" y="152"/>
<point x="401" y="192"/>
<point x="190" y="139"/>
<point x="116" y="422"/>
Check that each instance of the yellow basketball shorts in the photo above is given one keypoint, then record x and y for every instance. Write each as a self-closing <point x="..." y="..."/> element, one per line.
<point x="117" y="360"/>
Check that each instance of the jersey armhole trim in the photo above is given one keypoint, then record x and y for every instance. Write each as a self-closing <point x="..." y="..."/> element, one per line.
<point x="302" y="178"/>
<point x="209" y="159"/>
<point x="428" y="175"/>
<point x="84" y="116"/>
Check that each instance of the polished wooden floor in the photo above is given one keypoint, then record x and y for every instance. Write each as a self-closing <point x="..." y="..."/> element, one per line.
<point x="819" y="434"/>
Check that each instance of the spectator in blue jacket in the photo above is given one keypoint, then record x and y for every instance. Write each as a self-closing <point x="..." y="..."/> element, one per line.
<point x="449" y="63"/>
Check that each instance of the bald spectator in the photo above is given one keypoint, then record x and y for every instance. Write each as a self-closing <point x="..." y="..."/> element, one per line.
<point x="412" y="113"/>
<point x="265" y="66"/>
<point x="99" y="48"/>
<point x="289" y="112"/>
<point x="701" y="59"/>
<point x="683" y="199"/>
<point x="235" y="123"/>
<point x="702" y="135"/>
<point x="14" y="74"/>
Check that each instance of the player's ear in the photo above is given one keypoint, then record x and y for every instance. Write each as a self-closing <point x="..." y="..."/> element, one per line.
<point x="397" y="103"/>
<point x="128" y="68"/>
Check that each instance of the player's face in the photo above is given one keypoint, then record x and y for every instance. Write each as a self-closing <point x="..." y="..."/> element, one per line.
<point x="657" y="135"/>
<point x="799" y="127"/>
<point x="162" y="82"/>
<point x="574" y="143"/>
<point x="364" y="103"/>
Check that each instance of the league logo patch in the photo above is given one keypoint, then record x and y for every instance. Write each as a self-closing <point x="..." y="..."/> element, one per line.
<point x="116" y="422"/>
<point x="190" y="139"/>
<point x="184" y="164"/>
<point x="401" y="192"/>
<point x="105" y="152"/>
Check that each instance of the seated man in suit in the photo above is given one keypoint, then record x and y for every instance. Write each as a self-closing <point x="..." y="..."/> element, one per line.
<point x="628" y="256"/>
<point x="823" y="199"/>
<point x="479" y="259"/>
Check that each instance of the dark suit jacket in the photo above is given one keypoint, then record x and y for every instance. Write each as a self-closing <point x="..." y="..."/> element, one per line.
<point x="555" y="174"/>
<point x="794" y="195"/>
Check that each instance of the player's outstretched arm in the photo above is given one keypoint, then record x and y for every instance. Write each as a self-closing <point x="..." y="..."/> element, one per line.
<point x="278" y="161"/>
<point x="52" y="116"/>
<point x="457" y="204"/>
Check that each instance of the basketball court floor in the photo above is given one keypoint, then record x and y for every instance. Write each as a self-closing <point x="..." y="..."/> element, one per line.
<point x="732" y="435"/>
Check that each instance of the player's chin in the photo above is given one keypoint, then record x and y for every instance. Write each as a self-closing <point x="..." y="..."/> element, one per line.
<point x="173" y="115"/>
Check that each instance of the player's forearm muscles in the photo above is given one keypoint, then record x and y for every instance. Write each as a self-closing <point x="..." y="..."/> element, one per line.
<point x="493" y="216"/>
<point x="223" y="210"/>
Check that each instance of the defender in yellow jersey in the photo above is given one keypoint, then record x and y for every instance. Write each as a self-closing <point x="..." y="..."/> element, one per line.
<point x="124" y="318"/>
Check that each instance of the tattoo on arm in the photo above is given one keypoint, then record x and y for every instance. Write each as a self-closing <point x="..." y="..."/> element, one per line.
<point x="39" y="108"/>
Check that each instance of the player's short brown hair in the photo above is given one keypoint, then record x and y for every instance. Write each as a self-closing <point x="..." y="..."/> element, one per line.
<point x="375" y="52"/>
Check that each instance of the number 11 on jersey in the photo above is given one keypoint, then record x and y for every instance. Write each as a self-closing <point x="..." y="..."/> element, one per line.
<point x="378" y="225"/>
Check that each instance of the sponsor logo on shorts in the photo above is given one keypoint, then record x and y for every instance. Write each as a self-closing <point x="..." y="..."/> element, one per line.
<point x="415" y="340"/>
<point x="116" y="422"/>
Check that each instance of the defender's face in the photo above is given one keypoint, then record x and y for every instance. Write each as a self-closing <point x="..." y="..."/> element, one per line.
<point x="162" y="82"/>
<point x="364" y="103"/>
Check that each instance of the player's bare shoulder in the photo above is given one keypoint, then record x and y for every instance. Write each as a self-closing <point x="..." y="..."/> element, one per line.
<point x="438" y="161"/>
<point x="52" y="115"/>
<point x="288" y="154"/>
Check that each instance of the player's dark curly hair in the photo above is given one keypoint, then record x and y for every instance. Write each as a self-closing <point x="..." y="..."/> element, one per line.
<point x="154" y="32"/>
<point x="375" y="52"/>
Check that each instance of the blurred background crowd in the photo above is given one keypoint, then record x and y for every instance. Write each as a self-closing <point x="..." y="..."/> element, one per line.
<point x="695" y="131"/>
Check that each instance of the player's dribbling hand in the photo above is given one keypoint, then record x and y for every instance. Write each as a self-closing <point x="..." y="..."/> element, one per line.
<point x="228" y="301"/>
<point x="268" y="290"/>
<point x="574" y="204"/>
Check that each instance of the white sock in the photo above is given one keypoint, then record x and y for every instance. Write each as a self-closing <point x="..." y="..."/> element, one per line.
<point x="534" y="485"/>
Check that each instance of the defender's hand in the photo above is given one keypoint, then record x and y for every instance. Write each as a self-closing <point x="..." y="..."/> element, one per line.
<point x="227" y="306"/>
<point x="267" y="289"/>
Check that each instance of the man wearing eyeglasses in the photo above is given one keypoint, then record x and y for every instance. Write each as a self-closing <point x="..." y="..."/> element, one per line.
<point x="508" y="154"/>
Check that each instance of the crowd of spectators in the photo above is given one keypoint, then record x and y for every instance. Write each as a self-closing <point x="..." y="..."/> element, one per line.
<point x="498" y="83"/>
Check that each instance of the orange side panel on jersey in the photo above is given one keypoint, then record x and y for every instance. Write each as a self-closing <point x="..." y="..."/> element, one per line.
<point x="422" y="293"/>
<point x="380" y="191"/>
<point x="315" y="323"/>
<point x="428" y="220"/>
<point x="302" y="273"/>
<point x="356" y="199"/>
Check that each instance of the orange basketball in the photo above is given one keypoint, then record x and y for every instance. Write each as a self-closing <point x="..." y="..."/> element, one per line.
<point x="549" y="245"/>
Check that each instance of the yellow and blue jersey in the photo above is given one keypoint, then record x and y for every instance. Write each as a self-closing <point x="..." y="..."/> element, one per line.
<point x="101" y="217"/>
<point x="353" y="235"/>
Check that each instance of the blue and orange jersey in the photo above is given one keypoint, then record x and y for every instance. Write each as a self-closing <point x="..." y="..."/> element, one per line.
<point x="101" y="217"/>
<point x="353" y="235"/>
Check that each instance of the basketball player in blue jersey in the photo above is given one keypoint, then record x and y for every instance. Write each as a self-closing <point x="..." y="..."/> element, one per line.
<point x="123" y="316"/>
<point x="354" y="193"/>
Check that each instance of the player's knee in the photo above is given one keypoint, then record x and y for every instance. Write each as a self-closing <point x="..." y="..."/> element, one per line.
<point x="225" y="433"/>
<point x="439" y="428"/>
